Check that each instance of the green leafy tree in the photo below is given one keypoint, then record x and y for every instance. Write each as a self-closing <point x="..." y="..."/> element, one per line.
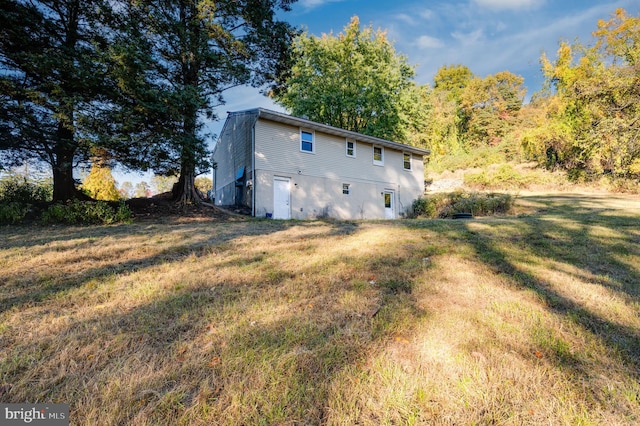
<point x="442" y="125"/>
<point x="50" y="79"/>
<point x="446" y="125"/>
<point x="174" y="65"/>
<point x="354" y="80"/>
<point x="545" y="136"/>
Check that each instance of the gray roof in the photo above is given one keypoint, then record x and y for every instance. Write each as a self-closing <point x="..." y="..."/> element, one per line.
<point x="312" y="125"/>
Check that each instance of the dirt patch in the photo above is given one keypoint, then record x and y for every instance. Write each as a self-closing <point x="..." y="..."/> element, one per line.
<point x="162" y="206"/>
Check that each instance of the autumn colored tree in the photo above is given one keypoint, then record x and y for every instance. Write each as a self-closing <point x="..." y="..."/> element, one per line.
<point x="126" y="190"/>
<point x="452" y="80"/>
<point x="599" y="89"/>
<point x="490" y="106"/>
<point x="100" y="183"/>
<point x="142" y="190"/>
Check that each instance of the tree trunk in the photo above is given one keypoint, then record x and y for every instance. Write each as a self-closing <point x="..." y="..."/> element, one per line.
<point x="64" y="187"/>
<point x="185" y="192"/>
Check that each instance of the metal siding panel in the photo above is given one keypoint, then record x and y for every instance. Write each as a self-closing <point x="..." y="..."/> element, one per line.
<point x="232" y="152"/>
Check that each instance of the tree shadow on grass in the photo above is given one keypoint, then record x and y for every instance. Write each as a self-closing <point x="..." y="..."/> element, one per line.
<point x="566" y="234"/>
<point x="27" y="287"/>
<point x="239" y="351"/>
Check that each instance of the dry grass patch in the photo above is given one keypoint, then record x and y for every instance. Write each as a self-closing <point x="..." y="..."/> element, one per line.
<point x="521" y="320"/>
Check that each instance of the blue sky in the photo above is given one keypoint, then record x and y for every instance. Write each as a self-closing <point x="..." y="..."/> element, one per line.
<point x="487" y="36"/>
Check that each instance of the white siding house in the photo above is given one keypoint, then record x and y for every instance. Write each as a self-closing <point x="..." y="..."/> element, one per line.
<point x="287" y="167"/>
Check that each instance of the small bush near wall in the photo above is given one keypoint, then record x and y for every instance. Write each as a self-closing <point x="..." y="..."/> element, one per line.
<point x="446" y="205"/>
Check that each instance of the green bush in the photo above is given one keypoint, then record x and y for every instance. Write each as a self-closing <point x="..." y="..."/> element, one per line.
<point x="19" y="189"/>
<point x="87" y="212"/>
<point x="446" y="205"/>
<point x="12" y="212"/>
<point x="479" y="157"/>
<point x="20" y="195"/>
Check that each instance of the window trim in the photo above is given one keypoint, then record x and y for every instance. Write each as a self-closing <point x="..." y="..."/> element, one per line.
<point x="381" y="161"/>
<point x="346" y="145"/>
<point x="313" y="141"/>
<point x="404" y="163"/>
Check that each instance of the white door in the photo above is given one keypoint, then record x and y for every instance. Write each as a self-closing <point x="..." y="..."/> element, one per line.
<point x="281" y="198"/>
<point x="389" y="209"/>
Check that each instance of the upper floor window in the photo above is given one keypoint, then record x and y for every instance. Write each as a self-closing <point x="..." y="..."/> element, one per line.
<point x="407" y="160"/>
<point x="346" y="189"/>
<point x="351" y="149"/>
<point x="378" y="155"/>
<point x="306" y="141"/>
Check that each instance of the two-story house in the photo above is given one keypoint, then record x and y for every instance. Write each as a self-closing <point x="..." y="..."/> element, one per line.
<point x="287" y="167"/>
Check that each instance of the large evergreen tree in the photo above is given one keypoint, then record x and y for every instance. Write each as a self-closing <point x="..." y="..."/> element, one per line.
<point x="50" y="78"/>
<point x="178" y="59"/>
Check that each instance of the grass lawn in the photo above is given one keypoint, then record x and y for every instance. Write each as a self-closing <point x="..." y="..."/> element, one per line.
<point x="526" y="319"/>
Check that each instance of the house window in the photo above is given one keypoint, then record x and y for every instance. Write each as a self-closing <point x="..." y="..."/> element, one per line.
<point x="345" y="188"/>
<point x="351" y="149"/>
<point x="306" y="141"/>
<point x="378" y="155"/>
<point x="407" y="160"/>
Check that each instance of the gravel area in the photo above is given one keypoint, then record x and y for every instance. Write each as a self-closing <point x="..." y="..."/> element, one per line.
<point x="445" y="185"/>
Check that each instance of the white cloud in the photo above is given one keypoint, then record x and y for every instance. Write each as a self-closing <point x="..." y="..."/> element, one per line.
<point x="407" y="19"/>
<point x="517" y="48"/>
<point x="414" y="19"/>
<point x="509" y="4"/>
<point x="473" y="37"/>
<point x="426" y="14"/>
<point x="312" y="4"/>
<point x="428" y="42"/>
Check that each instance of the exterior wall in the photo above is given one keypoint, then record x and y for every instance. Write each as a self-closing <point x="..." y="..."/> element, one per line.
<point x="232" y="153"/>
<point x="317" y="178"/>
